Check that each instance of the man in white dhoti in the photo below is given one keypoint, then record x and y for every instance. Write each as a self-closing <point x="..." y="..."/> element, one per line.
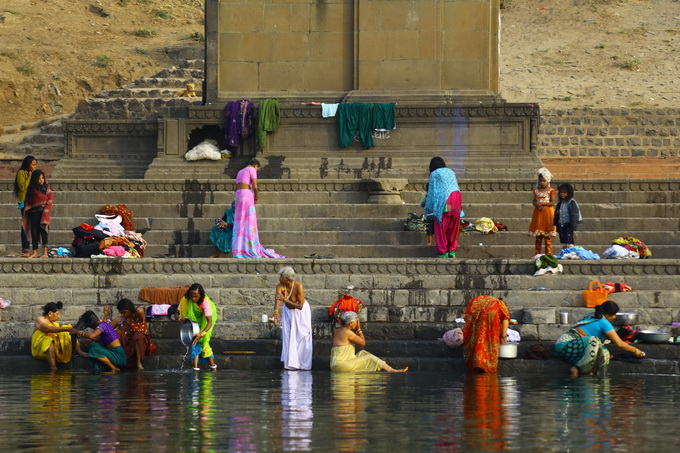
<point x="295" y="316"/>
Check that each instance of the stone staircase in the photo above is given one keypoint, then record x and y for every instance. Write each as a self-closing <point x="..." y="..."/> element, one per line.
<point x="301" y="217"/>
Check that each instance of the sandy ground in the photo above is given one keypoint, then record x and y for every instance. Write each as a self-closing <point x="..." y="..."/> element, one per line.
<point x="604" y="53"/>
<point x="559" y="53"/>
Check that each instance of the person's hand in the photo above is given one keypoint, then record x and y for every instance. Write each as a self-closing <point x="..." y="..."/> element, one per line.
<point x="180" y="319"/>
<point x="504" y="338"/>
<point x="222" y="224"/>
<point x="639" y="353"/>
<point x="107" y="312"/>
<point x="539" y="207"/>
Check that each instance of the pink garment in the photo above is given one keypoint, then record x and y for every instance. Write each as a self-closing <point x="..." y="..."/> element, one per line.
<point x="114" y="250"/>
<point x="245" y="242"/>
<point x="246" y="175"/>
<point x="205" y="306"/>
<point x="446" y="231"/>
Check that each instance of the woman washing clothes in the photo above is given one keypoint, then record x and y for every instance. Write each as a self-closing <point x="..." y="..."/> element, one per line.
<point x="343" y="354"/>
<point x="198" y="307"/>
<point x="486" y="328"/>
<point x="246" y="239"/>
<point x="104" y="348"/>
<point x="582" y="346"/>
<point x="133" y="332"/>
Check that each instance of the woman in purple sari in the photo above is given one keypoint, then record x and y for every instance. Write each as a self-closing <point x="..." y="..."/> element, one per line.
<point x="245" y="241"/>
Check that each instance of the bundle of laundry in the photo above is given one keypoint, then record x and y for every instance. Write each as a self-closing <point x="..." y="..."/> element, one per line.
<point x="547" y="265"/>
<point x="620" y="252"/>
<point x="486" y="225"/>
<point x="577" y="253"/>
<point x="207" y="149"/>
<point x="634" y="245"/>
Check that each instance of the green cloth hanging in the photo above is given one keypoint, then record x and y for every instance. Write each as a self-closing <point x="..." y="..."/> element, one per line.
<point x="268" y="120"/>
<point x="355" y="116"/>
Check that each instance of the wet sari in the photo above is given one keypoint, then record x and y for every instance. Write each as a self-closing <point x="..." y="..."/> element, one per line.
<point x="41" y="342"/>
<point x="245" y="236"/>
<point x="482" y="332"/>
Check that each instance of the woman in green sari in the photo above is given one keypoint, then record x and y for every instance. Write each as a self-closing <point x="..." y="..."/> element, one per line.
<point x="198" y="307"/>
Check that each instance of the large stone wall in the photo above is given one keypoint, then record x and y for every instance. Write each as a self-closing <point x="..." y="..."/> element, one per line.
<point x="609" y="132"/>
<point x="284" y="48"/>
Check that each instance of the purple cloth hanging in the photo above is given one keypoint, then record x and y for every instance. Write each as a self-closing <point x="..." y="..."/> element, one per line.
<point x="239" y="121"/>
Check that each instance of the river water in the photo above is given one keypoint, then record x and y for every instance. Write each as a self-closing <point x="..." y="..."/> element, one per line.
<point x="254" y="411"/>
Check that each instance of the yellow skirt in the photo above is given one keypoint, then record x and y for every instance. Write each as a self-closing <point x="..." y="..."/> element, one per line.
<point x="41" y="342"/>
<point x="343" y="358"/>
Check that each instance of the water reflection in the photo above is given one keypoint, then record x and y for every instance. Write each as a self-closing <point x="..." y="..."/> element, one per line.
<point x="296" y="410"/>
<point x="254" y="411"/>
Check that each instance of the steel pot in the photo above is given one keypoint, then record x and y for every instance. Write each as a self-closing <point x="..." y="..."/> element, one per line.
<point x="187" y="331"/>
<point x="623" y="319"/>
<point x="651" y="336"/>
<point x="508" y="351"/>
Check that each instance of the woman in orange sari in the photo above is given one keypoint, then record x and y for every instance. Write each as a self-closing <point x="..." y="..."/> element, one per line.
<point x="486" y="327"/>
<point x="133" y="332"/>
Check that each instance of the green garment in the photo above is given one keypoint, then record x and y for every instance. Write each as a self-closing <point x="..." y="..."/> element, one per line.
<point x="383" y="117"/>
<point x="22" y="180"/>
<point x="355" y="116"/>
<point x="188" y="309"/>
<point x="268" y="120"/>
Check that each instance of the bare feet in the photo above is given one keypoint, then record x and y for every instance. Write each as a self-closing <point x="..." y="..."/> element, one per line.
<point x="139" y="366"/>
<point x="115" y="370"/>
<point x="573" y="371"/>
<point x="394" y="370"/>
<point x="34" y="254"/>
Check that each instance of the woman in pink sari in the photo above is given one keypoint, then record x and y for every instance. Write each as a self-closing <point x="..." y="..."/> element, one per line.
<point x="245" y="241"/>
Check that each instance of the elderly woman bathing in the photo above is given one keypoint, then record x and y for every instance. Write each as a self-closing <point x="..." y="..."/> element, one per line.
<point x="291" y="308"/>
<point x="582" y="346"/>
<point x="343" y="354"/>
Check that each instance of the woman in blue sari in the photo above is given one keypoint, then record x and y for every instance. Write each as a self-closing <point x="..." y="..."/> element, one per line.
<point x="445" y="203"/>
<point x="583" y="345"/>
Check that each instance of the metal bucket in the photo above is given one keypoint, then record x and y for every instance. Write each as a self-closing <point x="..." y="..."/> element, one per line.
<point x="187" y="331"/>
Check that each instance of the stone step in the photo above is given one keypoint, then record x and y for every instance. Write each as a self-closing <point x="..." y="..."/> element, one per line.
<point x="9" y="217"/>
<point x="187" y="72"/>
<point x="599" y="167"/>
<point x="164" y="82"/>
<point x="137" y="93"/>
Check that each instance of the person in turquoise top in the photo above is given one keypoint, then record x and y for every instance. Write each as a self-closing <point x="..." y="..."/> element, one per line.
<point x="445" y="203"/>
<point x="198" y="307"/>
<point x="582" y="346"/>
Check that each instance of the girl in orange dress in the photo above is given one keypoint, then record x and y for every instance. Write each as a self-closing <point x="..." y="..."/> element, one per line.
<point x="543" y="199"/>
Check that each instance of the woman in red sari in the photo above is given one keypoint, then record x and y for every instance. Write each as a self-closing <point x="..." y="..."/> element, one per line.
<point x="133" y="333"/>
<point x="486" y="327"/>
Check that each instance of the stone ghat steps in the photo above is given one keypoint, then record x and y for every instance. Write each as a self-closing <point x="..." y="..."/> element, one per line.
<point x="594" y="167"/>
<point x="147" y="92"/>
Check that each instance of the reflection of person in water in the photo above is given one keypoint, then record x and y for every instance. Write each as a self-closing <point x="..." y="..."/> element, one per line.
<point x="485" y="418"/>
<point x="343" y="355"/>
<point x="50" y="408"/>
<point x="296" y="410"/>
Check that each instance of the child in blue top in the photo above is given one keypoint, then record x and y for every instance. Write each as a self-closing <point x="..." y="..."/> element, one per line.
<point x="567" y="215"/>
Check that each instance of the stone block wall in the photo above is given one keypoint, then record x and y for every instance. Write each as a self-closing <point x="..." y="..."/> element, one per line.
<point x="609" y="132"/>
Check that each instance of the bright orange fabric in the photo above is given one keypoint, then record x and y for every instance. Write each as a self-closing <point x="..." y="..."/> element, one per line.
<point x="542" y="221"/>
<point x="482" y="332"/>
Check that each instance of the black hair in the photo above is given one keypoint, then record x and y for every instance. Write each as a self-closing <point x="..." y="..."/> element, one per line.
<point x="606" y="308"/>
<point x="34" y="185"/>
<point x="254" y="161"/>
<point x="87" y="319"/>
<point x="196" y="287"/>
<point x="28" y="160"/>
<point x="568" y="188"/>
<point x="125" y="304"/>
<point x="52" y="307"/>
<point x="437" y="163"/>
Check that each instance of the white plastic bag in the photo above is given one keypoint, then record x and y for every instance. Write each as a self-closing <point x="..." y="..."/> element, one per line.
<point x="207" y="149"/>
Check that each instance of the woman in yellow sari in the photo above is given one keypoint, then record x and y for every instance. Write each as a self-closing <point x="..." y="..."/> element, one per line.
<point x="50" y="341"/>
<point x="198" y="307"/>
<point x="343" y="355"/>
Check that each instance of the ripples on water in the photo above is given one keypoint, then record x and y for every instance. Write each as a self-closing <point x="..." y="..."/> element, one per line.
<point x="248" y="411"/>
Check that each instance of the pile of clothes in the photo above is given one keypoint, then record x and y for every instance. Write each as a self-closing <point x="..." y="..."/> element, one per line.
<point x="113" y="236"/>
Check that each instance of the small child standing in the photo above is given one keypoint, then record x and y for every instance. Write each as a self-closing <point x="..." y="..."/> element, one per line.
<point x="567" y="215"/>
<point x="543" y="199"/>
